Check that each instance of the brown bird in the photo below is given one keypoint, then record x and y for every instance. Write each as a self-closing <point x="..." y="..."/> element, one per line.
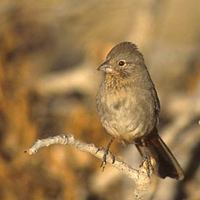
<point x="129" y="107"/>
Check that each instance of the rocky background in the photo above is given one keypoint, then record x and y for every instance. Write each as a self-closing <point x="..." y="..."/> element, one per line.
<point x="49" y="51"/>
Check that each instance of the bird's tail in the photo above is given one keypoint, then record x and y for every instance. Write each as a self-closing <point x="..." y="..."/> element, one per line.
<point x="165" y="163"/>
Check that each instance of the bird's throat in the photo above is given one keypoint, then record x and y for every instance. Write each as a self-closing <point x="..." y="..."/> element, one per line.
<point x="114" y="81"/>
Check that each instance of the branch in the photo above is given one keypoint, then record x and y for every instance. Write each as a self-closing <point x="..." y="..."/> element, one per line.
<point x="140" y="176"/>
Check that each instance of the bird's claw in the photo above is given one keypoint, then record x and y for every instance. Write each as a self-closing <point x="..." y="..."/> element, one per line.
<point x="147" y="165"/>
<point x="106" y="152"/>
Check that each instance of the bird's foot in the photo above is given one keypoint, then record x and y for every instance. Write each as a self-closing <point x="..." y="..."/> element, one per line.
<point x="147" y="165"/>
<point x="106" y="153"/>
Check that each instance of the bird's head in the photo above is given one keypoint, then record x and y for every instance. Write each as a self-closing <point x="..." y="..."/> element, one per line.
<point x="124" y="60"/>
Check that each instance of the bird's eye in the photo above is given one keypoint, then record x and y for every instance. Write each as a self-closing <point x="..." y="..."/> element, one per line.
<point x="122" y="63"/>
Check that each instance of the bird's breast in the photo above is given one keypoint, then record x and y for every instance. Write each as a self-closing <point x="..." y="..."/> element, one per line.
<point x="125" y="114"/>
<point x="115" y="113"/>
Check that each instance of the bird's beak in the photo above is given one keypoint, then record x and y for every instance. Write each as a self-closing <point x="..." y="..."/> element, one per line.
<point x="105" y="66"/>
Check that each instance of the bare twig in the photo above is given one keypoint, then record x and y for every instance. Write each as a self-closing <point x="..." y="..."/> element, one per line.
<point x="140" y="176"/>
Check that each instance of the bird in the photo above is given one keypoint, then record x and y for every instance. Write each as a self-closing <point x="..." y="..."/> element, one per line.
<point x="129" y="107"/>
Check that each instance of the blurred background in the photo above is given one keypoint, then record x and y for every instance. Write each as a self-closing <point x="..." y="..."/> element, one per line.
<point x="49" y="52"/>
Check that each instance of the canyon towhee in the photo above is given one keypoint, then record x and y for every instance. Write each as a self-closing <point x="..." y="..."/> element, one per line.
<point x="129" y="108"/>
